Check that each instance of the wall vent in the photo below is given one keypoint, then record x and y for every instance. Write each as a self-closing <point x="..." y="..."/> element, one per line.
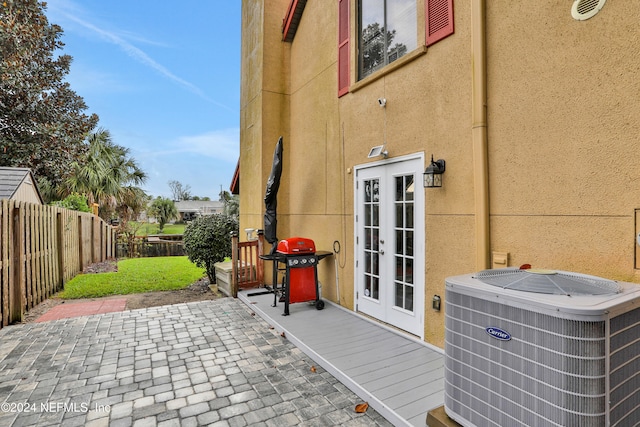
<point x="585" y="9"/>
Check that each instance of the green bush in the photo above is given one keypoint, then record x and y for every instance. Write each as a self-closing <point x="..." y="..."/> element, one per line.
<point x="207" y="240"/>
<point x="74" y="201"/>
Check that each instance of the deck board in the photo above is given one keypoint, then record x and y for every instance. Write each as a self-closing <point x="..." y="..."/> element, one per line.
<point x="400" y="377"/>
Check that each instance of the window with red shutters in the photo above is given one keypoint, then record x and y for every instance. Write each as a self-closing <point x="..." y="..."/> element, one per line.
<point x="343" y="47"/>
<point x="439" y="20"/>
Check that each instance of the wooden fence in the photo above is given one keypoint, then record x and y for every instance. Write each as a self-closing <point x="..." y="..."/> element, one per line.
<point x="43" y="247"/>
<point x="150" y="249"/>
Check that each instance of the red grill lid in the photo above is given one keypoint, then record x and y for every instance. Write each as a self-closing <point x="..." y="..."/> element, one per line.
<point x="295" y="245"/>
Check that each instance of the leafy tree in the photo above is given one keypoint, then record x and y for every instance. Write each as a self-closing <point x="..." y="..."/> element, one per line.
<point x="207" y="240"/>
<point x="133" y="201"/>
<point x="74" y="201"/>
<point x="179" y="191"/>
<point x="107" y="175"/>
<point x="164" y="210"/>
<point x="231" y="204"/>
<point x="42" y="121"/>
<point x="128" y="234"/>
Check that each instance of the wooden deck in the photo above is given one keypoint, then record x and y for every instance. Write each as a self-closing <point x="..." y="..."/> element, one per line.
<point x="398" y="375"/>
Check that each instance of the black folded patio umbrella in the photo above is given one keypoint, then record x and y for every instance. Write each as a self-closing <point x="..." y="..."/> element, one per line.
<point x="271" y="199"/>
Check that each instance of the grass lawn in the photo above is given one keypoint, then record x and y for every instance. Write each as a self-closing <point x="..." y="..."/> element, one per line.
<point x="135" y="275"/>
<point x="147" y="229"/>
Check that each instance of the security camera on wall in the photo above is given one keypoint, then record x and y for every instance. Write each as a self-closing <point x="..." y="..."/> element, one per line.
<point x="382" y="102"/>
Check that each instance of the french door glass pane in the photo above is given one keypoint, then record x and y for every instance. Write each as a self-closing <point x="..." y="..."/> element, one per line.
<point x="403" y="261"/>
<point x="408" y="298"/>
<point x="408" y="243"/>
<point x="408" y="222"/>
<point x="371" y="287"/>
<point x="408" y="271"/>
<point x="409" y="187"/>
<point x="371" y="237"/>
<point x="375" y="215"/>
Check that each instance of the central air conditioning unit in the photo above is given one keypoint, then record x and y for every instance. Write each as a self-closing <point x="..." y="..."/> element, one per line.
<point x="541" y="348"/>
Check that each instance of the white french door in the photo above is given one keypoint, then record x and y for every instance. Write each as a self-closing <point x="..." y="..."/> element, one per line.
<point x="390" y="243"/>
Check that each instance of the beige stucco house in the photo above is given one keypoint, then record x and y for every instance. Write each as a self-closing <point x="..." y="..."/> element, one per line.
<point x="533" y="106"/>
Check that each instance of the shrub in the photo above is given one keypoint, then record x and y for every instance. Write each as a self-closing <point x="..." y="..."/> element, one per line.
<point x="74" y="201"/>
<point x="207" y="240"/>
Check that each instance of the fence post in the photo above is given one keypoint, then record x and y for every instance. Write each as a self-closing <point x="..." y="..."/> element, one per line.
<point x="60" y="231"/>
<point x="15" y="298"/>
<point x="103" y="241"/>
<point x="4" y="262"/>
<point x="93" y="239"/>
<point x="234" y="264"/>
<point x="80" y="245"/>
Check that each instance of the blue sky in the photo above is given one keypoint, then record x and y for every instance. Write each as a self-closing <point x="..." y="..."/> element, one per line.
<point x="164" y="78"/>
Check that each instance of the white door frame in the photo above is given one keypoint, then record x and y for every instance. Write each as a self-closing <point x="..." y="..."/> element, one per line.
<point x="388" y="313"/>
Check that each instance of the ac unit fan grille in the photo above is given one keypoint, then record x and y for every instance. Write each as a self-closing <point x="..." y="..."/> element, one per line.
<point x="548" y="282"/>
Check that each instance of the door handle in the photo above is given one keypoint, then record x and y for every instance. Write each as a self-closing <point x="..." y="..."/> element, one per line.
<point x="381" y="251"/>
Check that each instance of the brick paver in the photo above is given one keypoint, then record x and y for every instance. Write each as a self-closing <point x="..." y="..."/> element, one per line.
<point x="204" y="363"/>
<point x="75" y="309"/>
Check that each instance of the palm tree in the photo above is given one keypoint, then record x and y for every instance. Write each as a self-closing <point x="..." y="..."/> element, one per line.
<point x="164" y="210"/>
<point x="107" y="175"/>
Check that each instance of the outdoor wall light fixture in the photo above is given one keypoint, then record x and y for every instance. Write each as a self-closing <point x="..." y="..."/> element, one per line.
<point x="377" y="151"/>
<point x="435" y="303"/>
<point x="433" y="173"/>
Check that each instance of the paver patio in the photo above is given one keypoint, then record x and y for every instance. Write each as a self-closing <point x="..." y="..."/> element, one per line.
<point x="206" y="363"/>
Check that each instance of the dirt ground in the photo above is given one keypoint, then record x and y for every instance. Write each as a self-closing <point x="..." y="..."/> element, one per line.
<point x="198" y="291"/>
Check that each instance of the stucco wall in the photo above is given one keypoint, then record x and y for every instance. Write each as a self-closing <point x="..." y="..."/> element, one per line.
<point x="263" y="104"/>
<point x="562" y="126"/>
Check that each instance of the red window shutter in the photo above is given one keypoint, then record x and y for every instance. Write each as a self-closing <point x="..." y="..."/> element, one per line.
<point x="343" y="47"/>
<point x="439" y="20"/>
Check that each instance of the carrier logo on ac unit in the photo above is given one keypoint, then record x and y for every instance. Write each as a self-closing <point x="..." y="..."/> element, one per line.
<point x="498" y="333"/>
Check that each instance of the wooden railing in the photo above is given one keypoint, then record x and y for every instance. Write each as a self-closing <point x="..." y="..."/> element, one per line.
<point x="247" y="267"/>
<point x="43" y="247"/>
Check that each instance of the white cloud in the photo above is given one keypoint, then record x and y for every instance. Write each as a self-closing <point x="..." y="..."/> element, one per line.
<point x="218" y="144"/>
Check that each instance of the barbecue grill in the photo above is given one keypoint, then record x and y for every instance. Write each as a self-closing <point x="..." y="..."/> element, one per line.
<point x="300" y="282"/>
